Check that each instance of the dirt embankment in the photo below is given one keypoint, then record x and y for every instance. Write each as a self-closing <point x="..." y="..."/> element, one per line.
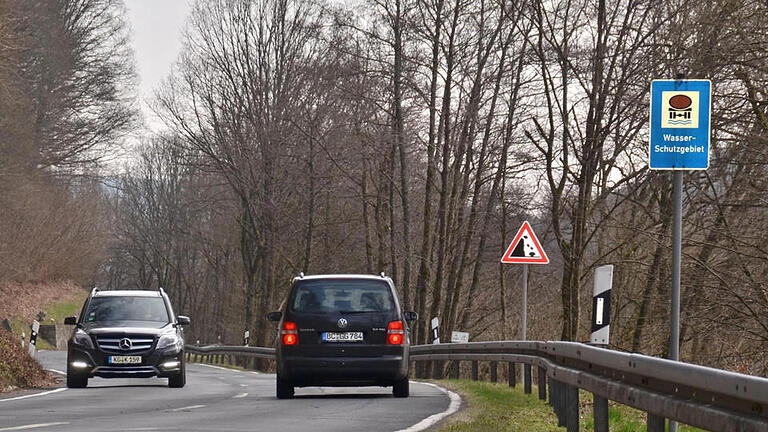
<point x="23" y="300"/>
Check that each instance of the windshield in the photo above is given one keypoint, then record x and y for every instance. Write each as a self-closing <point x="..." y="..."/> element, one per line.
<point x="347" y="296"/>
<point x="126" y="308"/>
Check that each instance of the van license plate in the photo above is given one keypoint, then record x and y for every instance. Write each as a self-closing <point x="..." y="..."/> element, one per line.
<point x="125" y="359"/>
<point x="342" y="336"/>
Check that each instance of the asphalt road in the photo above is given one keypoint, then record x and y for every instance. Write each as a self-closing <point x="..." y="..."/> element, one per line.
<point x="214" y="399"/>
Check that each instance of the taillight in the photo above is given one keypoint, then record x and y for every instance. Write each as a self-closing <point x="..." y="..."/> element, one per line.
<point x="395" y="333"/>
<point x="290" y="335"/>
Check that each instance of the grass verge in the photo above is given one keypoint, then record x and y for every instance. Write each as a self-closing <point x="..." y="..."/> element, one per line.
<point x="492" y="407"/>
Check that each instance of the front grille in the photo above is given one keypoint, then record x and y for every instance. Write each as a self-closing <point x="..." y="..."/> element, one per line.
<point x="138" y="343"/>
<point x="125" y="371"/>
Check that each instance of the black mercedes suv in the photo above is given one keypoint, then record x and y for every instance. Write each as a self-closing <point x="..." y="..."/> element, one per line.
<point x="126" y="334"/>
<point x="342" y="330"/>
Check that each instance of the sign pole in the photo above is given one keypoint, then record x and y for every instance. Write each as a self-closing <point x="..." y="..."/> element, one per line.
<point x="677" y="237"/>
<point x="525" y="302"/>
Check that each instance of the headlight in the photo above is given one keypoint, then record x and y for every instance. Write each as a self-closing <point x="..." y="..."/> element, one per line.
<point x="169" y="339"/>
<point x="82" y="339"/>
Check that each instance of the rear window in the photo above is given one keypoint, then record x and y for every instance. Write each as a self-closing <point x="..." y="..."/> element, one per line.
<point x="126" y="308"/>
<point x="345" y="296"/>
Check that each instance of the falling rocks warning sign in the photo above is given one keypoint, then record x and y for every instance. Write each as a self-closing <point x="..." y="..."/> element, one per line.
<point x="525" y="248"/>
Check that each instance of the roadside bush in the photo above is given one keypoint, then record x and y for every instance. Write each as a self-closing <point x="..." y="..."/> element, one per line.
<point x="17" y="368"/>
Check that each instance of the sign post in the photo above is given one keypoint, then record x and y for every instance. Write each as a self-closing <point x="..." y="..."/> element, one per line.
<point x="680" y="118"/>
<point x="525" y="249"/>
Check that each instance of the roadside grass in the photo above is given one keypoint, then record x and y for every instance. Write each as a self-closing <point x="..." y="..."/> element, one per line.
<point x="59" y="311"/>
<point x="493" y="407"/>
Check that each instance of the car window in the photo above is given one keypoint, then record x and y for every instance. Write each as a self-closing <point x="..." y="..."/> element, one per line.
<point x="127" y="308"/>
<point x="321" y="296"/>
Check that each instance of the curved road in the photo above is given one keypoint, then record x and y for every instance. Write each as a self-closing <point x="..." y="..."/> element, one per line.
<point x="215" y="399"/>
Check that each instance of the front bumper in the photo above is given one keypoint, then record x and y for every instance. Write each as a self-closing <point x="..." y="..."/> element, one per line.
<point x="153" y="363"/>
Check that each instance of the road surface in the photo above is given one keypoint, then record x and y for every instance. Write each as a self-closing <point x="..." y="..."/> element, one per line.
<point x="216" y="399"/>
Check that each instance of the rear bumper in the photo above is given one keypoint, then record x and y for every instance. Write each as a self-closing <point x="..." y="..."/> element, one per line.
<point x="344" y="371"/>
<point x="152" y="363"/>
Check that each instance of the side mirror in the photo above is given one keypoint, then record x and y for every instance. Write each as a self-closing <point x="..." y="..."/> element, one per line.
<point x="274" y="316"/>
<point x="70" y="320"/>
<point x="182" y="320"/>
<point x="410" y="316"/>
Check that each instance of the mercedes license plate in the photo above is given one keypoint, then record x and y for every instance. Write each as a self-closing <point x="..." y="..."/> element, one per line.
<point x="342" y="336"/>
<point x="125" y="359"/>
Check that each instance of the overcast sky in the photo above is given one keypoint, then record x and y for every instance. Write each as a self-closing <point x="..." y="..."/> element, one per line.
<point x="156" y="27"/>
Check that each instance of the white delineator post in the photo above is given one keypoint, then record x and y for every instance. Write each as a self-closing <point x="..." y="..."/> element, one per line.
<point x="601" y="305"/>
<point x="435" y="331"/>
<point x="33" y="338"/>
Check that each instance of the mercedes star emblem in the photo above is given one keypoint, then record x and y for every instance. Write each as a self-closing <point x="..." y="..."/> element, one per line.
<point x="343" y="323"/>
<point x="125" y="344"/>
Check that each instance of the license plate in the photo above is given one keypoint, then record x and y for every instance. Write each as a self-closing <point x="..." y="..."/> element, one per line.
<point x="342" y="336"/>
<point x="125" y="359"/>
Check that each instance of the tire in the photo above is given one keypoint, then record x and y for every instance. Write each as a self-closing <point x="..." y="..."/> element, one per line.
<point x="75" y="380"/>
<point x="180" y="379"/>
<point x="283" y="389"/>
<point x="401" y="389"/>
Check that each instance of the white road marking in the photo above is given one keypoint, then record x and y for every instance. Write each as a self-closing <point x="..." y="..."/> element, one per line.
<point x="185" y="408"/>
<point x="33" y="426"/>
<point x="33" y="395"/>
<point x="433" y="419"/>
<point x="217" y="367"/>
<point x="243" y="385"/>
<point x="241" y="395"/>
<point x="56" y="371"/>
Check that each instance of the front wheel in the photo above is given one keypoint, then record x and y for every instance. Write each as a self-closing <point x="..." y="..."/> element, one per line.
<point x="76" y="380"/>
<point x="401" y="389"/>
<point x="284" y="389"/>
<point x="178" y="380"/>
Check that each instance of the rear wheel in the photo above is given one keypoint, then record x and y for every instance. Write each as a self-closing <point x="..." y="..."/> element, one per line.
<point x="401" y="389"/>
<point x="284" y="389"/>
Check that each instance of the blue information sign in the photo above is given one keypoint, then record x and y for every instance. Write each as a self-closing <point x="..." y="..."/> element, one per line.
<point x="680" y="120"/>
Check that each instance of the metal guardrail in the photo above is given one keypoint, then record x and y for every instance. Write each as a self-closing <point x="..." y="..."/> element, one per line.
<point x="708" y="398"/>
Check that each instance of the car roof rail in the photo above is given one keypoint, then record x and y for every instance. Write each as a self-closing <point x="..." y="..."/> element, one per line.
<point x="301" y="275"/>
<point x="382" y="274"/>
<point x="94" y="291"/>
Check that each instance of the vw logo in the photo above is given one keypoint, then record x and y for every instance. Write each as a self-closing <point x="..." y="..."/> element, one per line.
<point x="125" y="344"/>
<point x="343" y="323"/>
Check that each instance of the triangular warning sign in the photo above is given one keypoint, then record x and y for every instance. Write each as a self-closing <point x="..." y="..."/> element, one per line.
<point x="525" y="248"/>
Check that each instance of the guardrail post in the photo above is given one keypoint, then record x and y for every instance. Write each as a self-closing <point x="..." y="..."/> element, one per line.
<point x="512" y="374"/>
<point x="456" y="369"/>
<point x="527" y="378"/>
<point x="542" y="383"/>
<point x="558" y="398"/>
<point x="572" y="408"/>
<point x="474" y="370"/>
<point x="494" y="372"/>
<point x="655" y="423"/>
<point x="600" y="413"/>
